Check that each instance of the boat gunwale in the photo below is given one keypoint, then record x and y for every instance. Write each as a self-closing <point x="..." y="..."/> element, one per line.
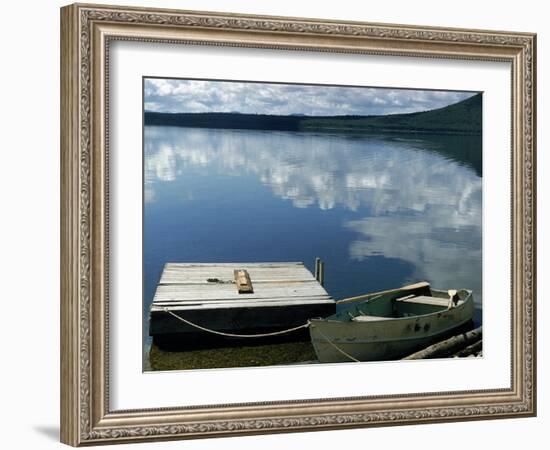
<point x="466" y="301"/>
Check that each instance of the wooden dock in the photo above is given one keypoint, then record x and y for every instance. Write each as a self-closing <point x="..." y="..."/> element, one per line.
<point x="239" y="298"/>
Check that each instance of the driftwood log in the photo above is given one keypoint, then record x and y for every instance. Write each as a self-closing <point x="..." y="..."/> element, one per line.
<point x="450" y="346"/>
<point x="473" y="349"/>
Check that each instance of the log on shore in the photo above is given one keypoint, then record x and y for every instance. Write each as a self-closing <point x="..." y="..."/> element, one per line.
<point x="450" y="346"/>
<point x="472" y="350"/>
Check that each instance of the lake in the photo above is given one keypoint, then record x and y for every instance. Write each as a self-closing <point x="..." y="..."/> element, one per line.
<point x="382" y="210"/>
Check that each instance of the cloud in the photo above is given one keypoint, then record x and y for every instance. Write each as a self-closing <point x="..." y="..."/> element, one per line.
<point x="170" y="95"/>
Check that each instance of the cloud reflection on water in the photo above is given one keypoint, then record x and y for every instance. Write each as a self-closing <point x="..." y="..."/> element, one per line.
<point x="408" y="201"/>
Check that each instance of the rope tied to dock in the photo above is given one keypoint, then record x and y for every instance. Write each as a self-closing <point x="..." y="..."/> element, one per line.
<point x="347" y="355"/>
<point x="275" y="333"/>
<point x="220" y="333"/>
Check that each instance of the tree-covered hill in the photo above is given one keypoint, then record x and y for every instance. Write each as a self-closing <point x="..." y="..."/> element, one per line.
<point x="460" y="118"/>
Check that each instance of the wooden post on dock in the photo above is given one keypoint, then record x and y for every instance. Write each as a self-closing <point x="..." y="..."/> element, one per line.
<point x="321" y="273"/>
<point x="317" y="262"/>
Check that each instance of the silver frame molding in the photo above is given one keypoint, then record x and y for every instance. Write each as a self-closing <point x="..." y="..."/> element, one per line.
<point x="86" y="32"/>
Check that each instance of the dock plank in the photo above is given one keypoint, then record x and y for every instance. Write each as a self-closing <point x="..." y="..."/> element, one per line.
<point x="178" y="292"/>
<point x="239" y="304"/>
<point x="235" y="264"/>
<point x="177" y="274"/>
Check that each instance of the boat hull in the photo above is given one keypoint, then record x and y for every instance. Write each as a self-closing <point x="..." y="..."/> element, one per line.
<point x="385" y="339"/>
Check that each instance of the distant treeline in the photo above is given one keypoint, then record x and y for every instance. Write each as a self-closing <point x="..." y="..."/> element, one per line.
<point x="460" y="118"/>
<point x="224" y="120"/>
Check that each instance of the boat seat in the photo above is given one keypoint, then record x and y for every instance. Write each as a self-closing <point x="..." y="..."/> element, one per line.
<point x="425" y="300"/>
<point x="370" y="318"/>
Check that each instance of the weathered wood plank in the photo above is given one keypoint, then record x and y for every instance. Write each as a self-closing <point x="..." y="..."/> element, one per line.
<point x="242" y="280"/>
<point x="272" y="273"/>
<point x="417" y="287"/>
<point x="182" y="274"/>
<point x="207" y="279"/>
<point x="175" y="278"/>
<point x="170" y="301"/>
<point x="235" y="264"/>
<point x="244" y="299"/>
<point x="274" y="269"/>
<point x="229" y="291"/>
<point x="230" y="286"/>
<point x="425" y="300"/>
<point x="189" y="301"/>
<point x="239" y="304"/>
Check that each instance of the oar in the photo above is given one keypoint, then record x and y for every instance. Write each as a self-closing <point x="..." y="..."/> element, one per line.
<point x="410" y="287"/>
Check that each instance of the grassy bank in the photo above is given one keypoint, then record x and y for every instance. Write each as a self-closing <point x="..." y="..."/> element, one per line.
<point x="245" y="356"/>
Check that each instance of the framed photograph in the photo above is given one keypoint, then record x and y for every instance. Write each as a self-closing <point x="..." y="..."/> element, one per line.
<point x="276" y="224"/>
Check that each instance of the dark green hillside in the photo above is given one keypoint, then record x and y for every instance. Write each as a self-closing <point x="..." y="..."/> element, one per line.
<point x="224" y="120"/>
<point x="461" y="118"/>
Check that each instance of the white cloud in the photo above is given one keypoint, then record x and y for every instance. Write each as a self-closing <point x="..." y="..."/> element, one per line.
<point x="169" y="95"/>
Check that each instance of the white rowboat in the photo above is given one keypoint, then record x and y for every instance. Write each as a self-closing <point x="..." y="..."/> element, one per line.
<point x="391" y="325"/>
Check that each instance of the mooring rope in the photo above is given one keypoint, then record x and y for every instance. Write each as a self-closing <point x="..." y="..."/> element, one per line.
<point x="336" y="347"/>
<point x="208" y="330"/>
<point x="275" y="333"/>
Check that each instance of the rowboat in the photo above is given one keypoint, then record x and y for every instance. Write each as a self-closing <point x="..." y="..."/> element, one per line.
<point x="391" y="324"/>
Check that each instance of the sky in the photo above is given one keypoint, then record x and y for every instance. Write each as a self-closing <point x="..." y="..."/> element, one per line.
<point x="190" y="96"/>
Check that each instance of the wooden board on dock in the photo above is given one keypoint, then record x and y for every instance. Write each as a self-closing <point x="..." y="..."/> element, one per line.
<point x="284" y="295"/>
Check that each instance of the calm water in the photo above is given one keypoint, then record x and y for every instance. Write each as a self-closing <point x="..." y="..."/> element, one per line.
<point x="380" y="210"/>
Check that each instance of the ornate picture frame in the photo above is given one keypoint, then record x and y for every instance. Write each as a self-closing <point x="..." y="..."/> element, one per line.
<point x="87" y="31"/>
